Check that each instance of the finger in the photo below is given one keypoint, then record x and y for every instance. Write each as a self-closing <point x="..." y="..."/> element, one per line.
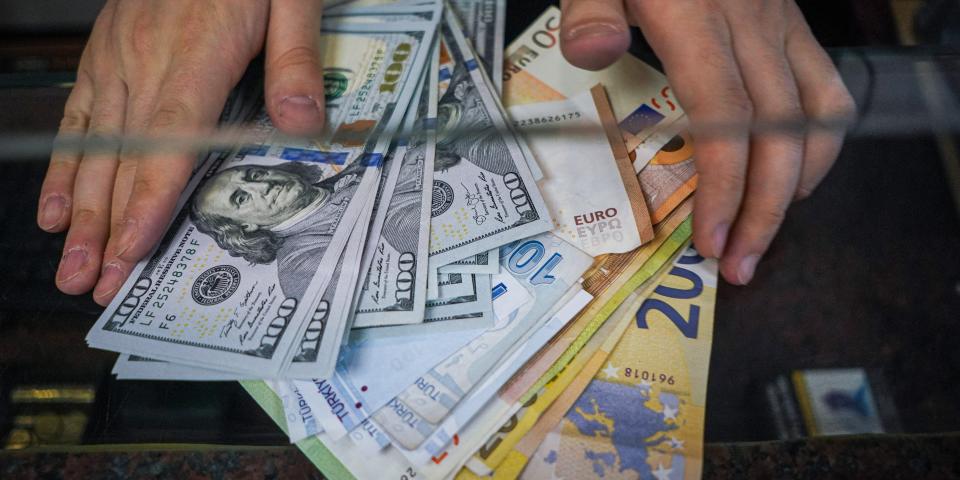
<point x="189" y="103"/>
<point x="775" y="157"/>
<point x="92" y="192"/>
<point x="593" y="33"/>
<point x="706" y="80"/>
<point x="294" y="75"/>
<point x="53" y="212"/>
<point x="115" y="270"/>
<point x="823" y="97"/>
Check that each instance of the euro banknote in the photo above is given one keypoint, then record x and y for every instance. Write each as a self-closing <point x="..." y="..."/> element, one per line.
<point x="639" y="405"/>
<point x="532" y="391"/>
<point x="612" y="219"/>
<point x="536" y="71"/>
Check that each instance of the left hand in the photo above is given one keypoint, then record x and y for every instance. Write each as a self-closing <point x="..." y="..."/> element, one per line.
<point x="736" y="61"/>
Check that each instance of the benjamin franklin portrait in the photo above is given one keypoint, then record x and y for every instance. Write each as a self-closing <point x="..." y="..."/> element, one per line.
<point x="284" y="213"/>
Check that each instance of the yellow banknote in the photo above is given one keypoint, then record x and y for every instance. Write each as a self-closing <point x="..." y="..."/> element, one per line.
<point x="637" y="412"/>
<point x="503" y="441"/>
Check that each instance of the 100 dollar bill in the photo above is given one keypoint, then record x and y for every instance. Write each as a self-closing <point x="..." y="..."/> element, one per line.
<point x="483" y="192"/>
<point x="258" y="234"/>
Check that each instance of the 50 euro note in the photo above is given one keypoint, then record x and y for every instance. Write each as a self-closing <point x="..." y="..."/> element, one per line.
<point x="638" y="405"/>
<point x="589" y="185"/>
<point x="650" y="119"/>
<point x="536" y="71"/>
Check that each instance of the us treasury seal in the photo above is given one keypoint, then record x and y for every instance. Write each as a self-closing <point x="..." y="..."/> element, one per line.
<point x="215" y="285"/>
<point x="442" y="198"/>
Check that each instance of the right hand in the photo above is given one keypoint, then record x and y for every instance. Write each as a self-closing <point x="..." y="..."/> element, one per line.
<point x="155" y="68"/>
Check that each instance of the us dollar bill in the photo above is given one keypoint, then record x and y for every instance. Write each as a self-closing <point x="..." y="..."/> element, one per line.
<point x="483" y="192"/>
<point x="485" y="262"/>
<point x="394" y="288"/>
<point x="243" y="264"/>
<point x="483" y="22"/>
<point x="475" y="304"/>
<point x="319" y="346"/>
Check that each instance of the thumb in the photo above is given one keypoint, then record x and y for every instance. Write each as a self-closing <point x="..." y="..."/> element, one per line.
<point x="294" y="75"/>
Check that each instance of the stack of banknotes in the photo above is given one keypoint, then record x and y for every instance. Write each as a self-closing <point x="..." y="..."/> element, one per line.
<point x="480" y="269"/>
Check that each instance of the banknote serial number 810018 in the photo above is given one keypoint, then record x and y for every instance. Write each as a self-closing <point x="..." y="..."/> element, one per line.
<point x="647" y="375"/>
<point x="545" y="119"/>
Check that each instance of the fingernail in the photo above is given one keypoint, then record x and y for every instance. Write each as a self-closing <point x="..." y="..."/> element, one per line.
<point x="52" y="211"/>
<point x="593" y="30"/>
<point x="300" y="109"/>
<point x="128" y="233"/>
<point x="720" y="239"/>
<point x="111" y="278"/>
<point x="747" y="267"/>
<point x="72" y="264"/>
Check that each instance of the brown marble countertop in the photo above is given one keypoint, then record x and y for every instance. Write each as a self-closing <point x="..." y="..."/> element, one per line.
<point x="878" y="456"/>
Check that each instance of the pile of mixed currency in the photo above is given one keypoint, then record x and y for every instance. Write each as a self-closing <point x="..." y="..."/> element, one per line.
<point x="480" y="269"/>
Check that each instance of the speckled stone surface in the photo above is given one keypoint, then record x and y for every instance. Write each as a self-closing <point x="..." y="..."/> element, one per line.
<point x="868" y="457"/>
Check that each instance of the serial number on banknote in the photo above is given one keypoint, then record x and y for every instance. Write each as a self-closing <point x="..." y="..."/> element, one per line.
<point x="649" y="376"/>
<point x="546" y="119"/>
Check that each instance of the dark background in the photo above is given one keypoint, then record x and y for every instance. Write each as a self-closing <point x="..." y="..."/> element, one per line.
<point x="865" y="273"/>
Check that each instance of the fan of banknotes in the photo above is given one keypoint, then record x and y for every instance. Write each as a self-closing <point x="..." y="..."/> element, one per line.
<point x="431" y="288"/>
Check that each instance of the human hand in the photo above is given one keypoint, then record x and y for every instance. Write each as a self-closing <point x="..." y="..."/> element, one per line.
<point x="736" y="61"/>
<point x="154" y="68"/>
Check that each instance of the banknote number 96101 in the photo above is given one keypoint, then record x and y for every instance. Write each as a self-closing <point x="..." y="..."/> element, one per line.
<point x="687" y="326"/>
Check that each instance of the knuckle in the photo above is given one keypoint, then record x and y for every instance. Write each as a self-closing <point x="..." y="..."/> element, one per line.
<point x="295" y="57"/>
<point x="767" y="215"/>
<point x="149" y="189"/>
<point x="726" y="179"/>
<point x="86" y="215"/>
<point x="803" y="192"/>
<point x="74" y="120"/>
<point x="170" y="113"/>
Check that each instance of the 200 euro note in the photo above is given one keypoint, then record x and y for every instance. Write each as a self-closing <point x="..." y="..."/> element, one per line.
<point x="643" y="394"/>
<point x="244" y="262"/>
<point x="484" y="194"/>
<point x="536" y="71"/>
